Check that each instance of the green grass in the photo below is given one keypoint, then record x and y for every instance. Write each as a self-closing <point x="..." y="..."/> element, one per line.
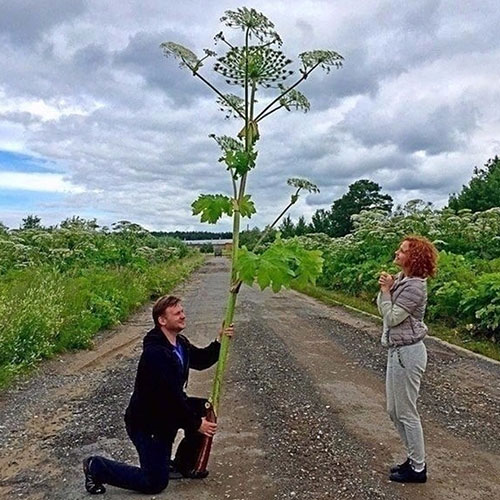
<point x="43" y="312"/>
<point x="455" y="336"/>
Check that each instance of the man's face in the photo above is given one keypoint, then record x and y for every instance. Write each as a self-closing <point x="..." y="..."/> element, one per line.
<point x="173" y="319"/>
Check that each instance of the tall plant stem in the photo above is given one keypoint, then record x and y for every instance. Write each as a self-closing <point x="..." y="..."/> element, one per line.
<point x="233" y="292"/>
<point x="228" y="319"/>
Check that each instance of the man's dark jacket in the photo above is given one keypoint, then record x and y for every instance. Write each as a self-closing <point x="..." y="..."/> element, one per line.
<point x="159" y="404"/>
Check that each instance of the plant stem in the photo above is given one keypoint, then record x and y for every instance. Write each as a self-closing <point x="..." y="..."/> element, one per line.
<point x="228" y="319"/>
<point x="273" y="102"/>
<point x="233" y="292"/>
<point x="220" y="94"/>
<point x="268" y="228"/>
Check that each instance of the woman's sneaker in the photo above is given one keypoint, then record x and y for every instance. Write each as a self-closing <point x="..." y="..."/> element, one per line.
<point x="409" y="475"/>
<point x="93" y="487"/>
<point x="397" y="468"/>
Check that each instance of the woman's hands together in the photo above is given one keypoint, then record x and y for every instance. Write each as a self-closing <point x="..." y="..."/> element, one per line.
<point x="385" y="281"/>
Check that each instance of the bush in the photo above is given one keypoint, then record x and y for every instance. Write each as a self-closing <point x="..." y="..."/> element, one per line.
<point x="465" y="290"/>
<point x="482" y="304"/>
<point x="207" y="248"/>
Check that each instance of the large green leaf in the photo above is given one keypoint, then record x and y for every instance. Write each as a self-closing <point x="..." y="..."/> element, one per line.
<point x="240" y="161"/>
<point x="279" y="266"/>
<point x="212" y="207"/>
<point x="247" y="265"/>
<point x="247" y="206"/>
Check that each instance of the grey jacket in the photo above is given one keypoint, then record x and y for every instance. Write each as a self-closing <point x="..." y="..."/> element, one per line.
<point x="407" y="295"/>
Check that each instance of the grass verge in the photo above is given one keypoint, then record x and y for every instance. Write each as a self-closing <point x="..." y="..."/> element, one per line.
<point x="459" y="337"/>
<point x="43" y="312"/>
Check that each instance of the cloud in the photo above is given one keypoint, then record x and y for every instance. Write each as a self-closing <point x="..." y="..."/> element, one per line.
<point x="85" y="87"/>
<point x="24" y="22"/>
<point x="54" y="183"/>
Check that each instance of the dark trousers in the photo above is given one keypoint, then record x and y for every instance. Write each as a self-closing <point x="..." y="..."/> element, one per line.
<point x="154" y="458"/>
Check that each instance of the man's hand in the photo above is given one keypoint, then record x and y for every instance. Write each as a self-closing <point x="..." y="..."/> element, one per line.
<point x="228" y="332"/>
<point x="385" y="281"/>
<point x="207" y="428"/>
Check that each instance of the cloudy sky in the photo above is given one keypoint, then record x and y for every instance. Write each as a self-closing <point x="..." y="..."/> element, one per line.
<point x="95" y="122"/>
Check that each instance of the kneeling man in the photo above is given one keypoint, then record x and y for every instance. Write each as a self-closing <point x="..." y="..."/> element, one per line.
<point x="159" y="407"/>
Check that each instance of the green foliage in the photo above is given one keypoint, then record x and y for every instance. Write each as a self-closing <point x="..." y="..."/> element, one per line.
<point x="247" y="206"/>
<point x="207" y="248"/>
<point x="482" y="302"/>
<point x="43" y="311"/>
<point x="212" y="207"/>
<point x="482" y="192"/>
<point x="250" y="237"/>
<point x="281" y="265"/>
<point x="465" y="291"/>
<point x="362" y="195"/>
<point x="287" y="228"/>
<point x="31" y="222"/>
<point x="80" y="245"/>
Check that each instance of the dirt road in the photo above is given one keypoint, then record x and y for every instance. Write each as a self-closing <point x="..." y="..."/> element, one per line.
<point x="302" y="415"/>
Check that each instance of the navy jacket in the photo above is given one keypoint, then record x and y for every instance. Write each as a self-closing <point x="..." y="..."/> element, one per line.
<point x="159" y="403"/>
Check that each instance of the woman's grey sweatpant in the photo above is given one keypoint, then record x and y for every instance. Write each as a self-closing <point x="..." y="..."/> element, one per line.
<point x="405" y="367"/>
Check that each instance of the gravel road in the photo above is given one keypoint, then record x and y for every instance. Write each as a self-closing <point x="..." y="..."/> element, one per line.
<point x="302" y="414"/>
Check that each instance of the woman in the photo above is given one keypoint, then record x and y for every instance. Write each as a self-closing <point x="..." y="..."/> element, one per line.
<point x="401" y="302"/>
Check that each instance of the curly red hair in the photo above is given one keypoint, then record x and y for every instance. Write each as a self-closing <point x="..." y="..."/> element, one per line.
<point x="422" y="256"/>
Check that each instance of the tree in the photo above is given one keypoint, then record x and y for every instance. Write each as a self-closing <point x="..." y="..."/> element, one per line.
<point x="31" y="222"/>
<point x="320" y="222"/>
<point x="483" y="190"/>
<point x="78" y="223"/>
<point x="362" y="195"/>
<point x="301" y="227"/>
<point x="287" y="228"/>
<point x="258" y="63"/>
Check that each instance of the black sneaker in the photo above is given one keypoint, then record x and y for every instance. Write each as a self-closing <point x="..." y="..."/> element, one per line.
<point x="91" y="485"/>
<point x="397" y="468"/>
<point x="173" y="472"/>
<point x="409" y="475"/>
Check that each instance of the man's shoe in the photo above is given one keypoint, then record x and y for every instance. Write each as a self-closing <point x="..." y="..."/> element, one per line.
<point x="196" y="475"/>
<point x="175" y="473"/>
<point x="397" y="468"/>
<point x="408" y="475"/>
<point x="93" y="487"/>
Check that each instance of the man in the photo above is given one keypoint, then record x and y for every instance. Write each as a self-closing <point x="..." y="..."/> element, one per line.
<point x="159" y="407"/>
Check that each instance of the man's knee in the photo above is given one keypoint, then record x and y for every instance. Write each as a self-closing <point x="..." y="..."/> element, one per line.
<point x="156" y="483"/>
<point x="156" y="486"/>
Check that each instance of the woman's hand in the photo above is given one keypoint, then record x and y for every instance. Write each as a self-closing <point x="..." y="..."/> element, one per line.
<point x="385" y="281"/>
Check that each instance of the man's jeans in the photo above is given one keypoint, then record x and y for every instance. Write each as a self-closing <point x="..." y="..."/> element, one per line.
<point x="154" y="456"/>
<point x="151" y="477"/>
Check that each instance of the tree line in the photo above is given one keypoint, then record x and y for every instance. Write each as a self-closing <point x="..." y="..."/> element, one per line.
<point x="481" y="193"/>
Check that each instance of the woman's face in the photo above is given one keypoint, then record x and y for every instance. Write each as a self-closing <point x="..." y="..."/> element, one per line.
<point x="402" y="255"/>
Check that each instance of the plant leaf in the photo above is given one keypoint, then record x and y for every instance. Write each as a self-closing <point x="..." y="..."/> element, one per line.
<point x="212" y="207"/>
<point x="247" y="206"/>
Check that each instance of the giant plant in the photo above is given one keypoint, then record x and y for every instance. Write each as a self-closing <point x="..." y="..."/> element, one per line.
<point x="257" y="64"/>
